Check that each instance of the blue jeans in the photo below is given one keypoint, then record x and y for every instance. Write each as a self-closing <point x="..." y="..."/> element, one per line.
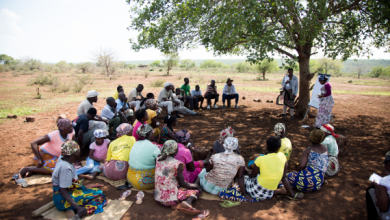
<point x="226" y="96"/>
<point x="92" y="166"/>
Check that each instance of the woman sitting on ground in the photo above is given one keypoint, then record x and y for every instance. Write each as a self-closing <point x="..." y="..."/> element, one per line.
<point x="142" y="159"/>
<point x="312" y="168"/>
<point x="142" y="117"/>
<point x="167" y="132"/>
<point x="333" y="149"/>
<point x="218" y="144"/>
<point x="68" y="193"/>
<point x="222" y="168"/>
<point x="47" y="155"/>
<point x="262" y="183"/>
<point x="151" y="109"/>
<point x="170" y="188"/>
<point x="192" y="168"/>
<point x="118" y="153"/>
<point x="285" y="148"/>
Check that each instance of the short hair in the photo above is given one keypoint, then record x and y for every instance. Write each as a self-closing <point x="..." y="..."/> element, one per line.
<point x="290" y="69"/>
<point x="150" y="95"/>
<point x="92" y="111"/>
<point x="273" y="144"/>
<point x="178" y="88"/>
<point x="139" y="114"/>
<point x="169" y="119"/>
<point x="110" y="99"/>
<point x="140" y="85"/>
<point x="196" y="86"/>
<point x="186" y="78"/>
<point x="119" y="87"/>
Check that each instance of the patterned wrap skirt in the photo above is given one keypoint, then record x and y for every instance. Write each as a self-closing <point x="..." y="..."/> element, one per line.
<point x="92" y="199"/>
<point x="140" y="178"/>
<point x="307" y="180"/>
<point x="49" y="161"/>
<point x="182" y="194"/>
<point x="116" y="169"/>
<point x="208" y="187"/>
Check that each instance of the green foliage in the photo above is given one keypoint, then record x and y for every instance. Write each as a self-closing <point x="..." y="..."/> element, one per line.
<point x="212" y="64"/>
<point x="85" y="79"/>
<point x="380" y="72"/>
<point x="42" y="80"/>
<point x="329" y="66"/>
<point x="130" y="66"/>
<point x="267" y="66"/>
<point x="77" y="86"/>
<point x="157" y="83"/>
<point x="243" y="67"/>
<point x="85" y="67"/>
<point x="155" y="63"/>
<point x="187" y="63"/>
<point x="6" y="60"/>
<point x="172" y="59"/>
<point x="64" y="87"/>
<point x="63" y="66"/>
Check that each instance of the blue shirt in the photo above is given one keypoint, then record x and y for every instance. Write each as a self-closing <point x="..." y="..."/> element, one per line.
<point x="120" y="104"/>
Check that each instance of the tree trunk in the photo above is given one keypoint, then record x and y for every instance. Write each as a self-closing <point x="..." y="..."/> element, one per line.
<point x="359" y="76"/>
<point x="264" y="75"/>
<point x="304" y="81"/>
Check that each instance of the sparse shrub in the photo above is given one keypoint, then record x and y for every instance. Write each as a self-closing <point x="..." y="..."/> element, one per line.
<point x="220" y="80"/>
<point x="157" y="83"/>
<point x="42" y="80"/>
<point x="15" y="74"/>
<point x="3" y="76"/>
<point x="85" y="79"/>
<point x="179" y="78"/>
<point x="160" y="70"/>
<point x="77" y="86"/>
<point x="146" y="74"/>
<point x="55" y="84"/>
<point x="151" y="69"/>
<point x="64" y="87"/>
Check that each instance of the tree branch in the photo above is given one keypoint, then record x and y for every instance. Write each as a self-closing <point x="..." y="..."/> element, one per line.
<point x="286" y="53"/>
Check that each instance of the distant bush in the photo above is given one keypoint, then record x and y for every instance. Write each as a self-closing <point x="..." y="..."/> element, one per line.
<point x="213" y="64"/>
<point x="42" y="80"/>
<point x="15" y="74"/>
<point x="85" y="67"/>
<point x="146" y="74"/>
<point x="77" y="86"/>
<point x="160" y="70"/>
<point x="86" y="79"/>
<point x="64" y="87"/>
<point x="55" y="84"/>
<point x="380" y="72"/>
<point x="157" y="83"/>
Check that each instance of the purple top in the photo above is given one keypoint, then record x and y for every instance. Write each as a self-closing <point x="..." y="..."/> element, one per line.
<point x="328" y="89"/>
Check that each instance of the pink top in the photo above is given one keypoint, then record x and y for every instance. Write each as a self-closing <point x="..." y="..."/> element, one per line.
<point x="53" y="147"/>
<point x="135" y="130"/>
<point x="100" y="150"/>
<point x="184" y="156"/>
<point x="328" y="89"/>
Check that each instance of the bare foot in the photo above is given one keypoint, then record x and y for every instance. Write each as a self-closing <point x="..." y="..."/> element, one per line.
<point x="326" y="182"/>
<point x="69" y="213"/>
<point x="23" y="172"/>
<point x="88" y="177"/>
<point x="281" y="191"/>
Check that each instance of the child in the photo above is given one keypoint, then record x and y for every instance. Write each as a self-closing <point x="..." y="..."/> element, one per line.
<point x="97" y="155"/>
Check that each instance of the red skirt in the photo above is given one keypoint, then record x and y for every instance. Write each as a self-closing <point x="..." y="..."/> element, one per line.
<point x="116" y="169"/>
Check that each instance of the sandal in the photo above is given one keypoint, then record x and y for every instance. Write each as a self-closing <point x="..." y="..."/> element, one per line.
<point x="203" y="214"/>
<point x="229" y="204"/>
<point x="22" y="182"/>
<point x="289" y="197"/>
<point x="188" y="211"/>
<point x="140" y="196"/>
<point x="15" y="177"/>
<point x="124" y="195"/>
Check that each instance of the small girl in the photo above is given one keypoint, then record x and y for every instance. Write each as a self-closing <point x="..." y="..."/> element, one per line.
<point x="97" y="155"/>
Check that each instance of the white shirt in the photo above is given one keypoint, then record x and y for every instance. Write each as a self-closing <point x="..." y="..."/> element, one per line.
<point x="84" y="107"/>
<point x="133" y="94"/>
<point x="107" y="112"/>
<point x="293" y="84"/>
<point x="226" y="89"/>
<point x="164" y="94"/>
<point x="196" y="93"/>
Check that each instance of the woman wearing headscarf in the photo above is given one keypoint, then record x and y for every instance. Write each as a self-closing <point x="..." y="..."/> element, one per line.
<point x="170" y="187"/>
<point x="222" y="168"/>
<point x="118" y="153"/>
<point x="68" y="193"/>
<point x="142" y="116"/>
<point x="152" y="109"/>
<point x="263" y="181"/>
<point x="333" y="149"/>
<point x="326" y="103"/>
<point x="142" y="159"/>
<point x="47" y="155"/>
<point x="312" y="168"/>
<point x="218" y="144"/>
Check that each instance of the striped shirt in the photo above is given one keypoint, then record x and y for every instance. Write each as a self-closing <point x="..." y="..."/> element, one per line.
<point x="211" y="89"/>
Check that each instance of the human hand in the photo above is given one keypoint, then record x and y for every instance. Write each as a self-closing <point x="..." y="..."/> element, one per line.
<point x="81" y="211"/>
<point x="374" y="184"/>
<point x="200" y="190"/>
<point x="288" y="81"/>
<point x="40" y="163"/>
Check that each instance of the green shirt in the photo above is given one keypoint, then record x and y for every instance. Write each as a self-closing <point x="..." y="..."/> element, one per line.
<point x="186" y="89"/>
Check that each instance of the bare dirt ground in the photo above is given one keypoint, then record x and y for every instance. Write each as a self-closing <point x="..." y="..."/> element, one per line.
<point x="363" y="119"/>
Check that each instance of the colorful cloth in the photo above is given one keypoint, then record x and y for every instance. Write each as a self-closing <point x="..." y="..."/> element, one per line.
<point x="285" y="147"/>
<point x="329" y="129"/>
<point x="280" y="130"/>
<point x="141" y="178"/>
<point x="151" y="114"/>
<point x="99" y="133"/>
<point x="116" y="169"/>
<point x="143" y="130"/>
<point x="333" y="166"/>
<point x="150" y="103"/>
<point x="331" y="143"/>
<point x="182" y="195"/>
<point x="64" y="123"/>
<point x="49" y="160"/>
<point x="318" y="161"/>
<point x="228" y="132"/>
<point x="208" y="187"/>
<point x="92" y="199"/>
<point x="183" y="136"/>
<point x="123" y="129"/>
<point x="286" y="98"/>
<point x="184" y="155"/>
<point x="255" y="190"/>
<point x="169" y="148"/>
<point x="69" y="147"/>
<point x="234" y="194"/>
<point x="165" y="133"/>
<point x="136" y="126"/>
<point x="53" y="147"/>
<point x="324" y="110"/>
<point x="230" y="144"/>
<point x="309" y="179"/>
<point x="211" y="89"/>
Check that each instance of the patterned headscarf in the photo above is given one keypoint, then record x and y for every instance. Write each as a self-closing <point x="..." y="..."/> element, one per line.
<point x="100" y="133"/>
<point x="317" y="136"/>
<point x="228" y="132"/>
<point x="183" y="136"/>
<point x="169" y="148"/>
<point x="143" y="130"/>
<point x="150" y="103"/>
<point x="230" y="144"/>
<point x="329" y="129"/>
<point x="63" y="124"/>
<point x="123" y="129"/>
<point x="69" y="147"/>
<point x="280" y="129"/>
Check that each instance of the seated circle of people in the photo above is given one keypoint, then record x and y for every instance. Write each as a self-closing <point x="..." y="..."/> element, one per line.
<point x="96" y="122"/>
<point x="198" y="94"/>
<point x="114" y="117"/>
<point x="211" y="93"/>
<point x="84" y="134"/>
<point x="152" y="109"/>
<point x="123" y="106"/>
<point x="177" y="96"/>
<point x="192" y="100"/>
<point x="165" y="99"/>
<point x="229" y="92"/>
<point x="132" y="97"/>
<point x="167" y="132"/>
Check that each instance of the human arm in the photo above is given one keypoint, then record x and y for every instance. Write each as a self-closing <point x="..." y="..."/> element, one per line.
<point x="95" y="158"/>
<point x="241" y="183"/>
<point x="225" y="90"/>
<point x="209" y="167"/>
<point x="255" y="171"/>
<point x="305" y="156"/>
<point x="35" y="148"/>
<point x="81" y="211"/>
<point x="284" y="82"/>
<point x="382" y="198"/>
<point x="183" y="183"/>
<point x="328" y="89"/>
<point x="295" y="87"/>
<point x="80" y="137"/>
<point x="287" y="186"/>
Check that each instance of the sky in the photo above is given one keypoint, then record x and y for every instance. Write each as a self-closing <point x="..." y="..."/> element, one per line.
<point x="73" y="30"/>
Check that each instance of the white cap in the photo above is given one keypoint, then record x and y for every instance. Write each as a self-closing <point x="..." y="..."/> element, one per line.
<point x="92" y="93"/>
<point x="157" y="123"/>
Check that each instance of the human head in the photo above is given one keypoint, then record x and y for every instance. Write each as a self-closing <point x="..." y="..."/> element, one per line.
<point x="141" y="115"/>
<point x="92" y="96"/>
<point x="322" y="79"/>
<point x="119" y="89"/>
<point x="386" y="162"/>
<point x="70" y="149"/>
<point x="178" y="91"/>
<point x="290" y="71"/>
<point x="65" y="125"/>
<point x="168" y="86"/>
<point x="169" y="149"/>
<point x="273" y="144"/>
<point x="229" y="81"/>
<point x="212" y="83"/>
<point x="227" y="132"/>
<point x="122" y="96"/>
<point x="111" y="102"/>
<point x="144" y="132"/>
<point x="197" y="87"/>
<point x="230" y="144"/>
<point x="124" y="129"/>
<point x="140" y="87"/>
<point x="280" y="130"/>
<point x="329" y="129"/>
<point x="100" y="135"/>
<point x="150" y="96"/>
<point x="183" y="136"/>
<point x="170" y="120"/>
<point x="317" y="136"/>
<point x="151" y="104"/>
<point x="186" y="81"/>
<point x="91" y="113"/>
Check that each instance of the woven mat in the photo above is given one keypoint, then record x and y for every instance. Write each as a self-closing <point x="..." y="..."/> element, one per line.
<point x="113" y="211"/>
<point x="205" y="195"/>
<point x="114" y="183"/>
<point x="38" y="179"/>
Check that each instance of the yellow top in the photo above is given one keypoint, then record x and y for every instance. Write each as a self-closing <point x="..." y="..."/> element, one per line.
<point x="151" y="114"/>
<point x="271" y="168"/>
<point x="120" y="148"/>
<point x="116" y="95"/>
<point x="285" y="147"/>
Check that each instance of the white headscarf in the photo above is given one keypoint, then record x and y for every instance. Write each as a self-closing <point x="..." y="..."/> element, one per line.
<point x="168" y="84"/>
<point x="230" y="144"/>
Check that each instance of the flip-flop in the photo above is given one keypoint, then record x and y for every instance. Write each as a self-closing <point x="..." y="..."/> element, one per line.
<point x="289" y="197"/>
<point x="229" y="204"/>
<point x="203" y="214"/>
<point x="15" y="177"/>
<point x="140" y="196"/>
<point x="124" y="195"/>
<point x="22" y="182"/>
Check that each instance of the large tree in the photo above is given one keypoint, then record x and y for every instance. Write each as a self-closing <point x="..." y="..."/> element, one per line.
<point x="260" y="29"/>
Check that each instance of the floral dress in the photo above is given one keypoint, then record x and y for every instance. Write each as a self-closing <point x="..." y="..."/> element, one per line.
<point x="325" y="109"/>
<point x="167" y="191"/>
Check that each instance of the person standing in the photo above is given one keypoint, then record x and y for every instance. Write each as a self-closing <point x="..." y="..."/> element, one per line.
<point x="326" y="103"/>
<point x="193" y="100"/>
<point x="211" y="93"/>
<point x="132" y="97"/>
<point x="229" y="92"/>
<point x="290" y="90"/>
<point x="198" y="94"/>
